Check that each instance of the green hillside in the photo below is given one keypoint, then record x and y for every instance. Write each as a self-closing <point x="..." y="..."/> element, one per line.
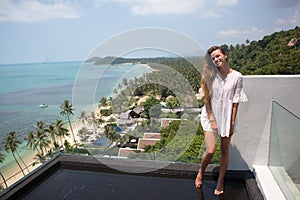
<point x="278" y="53"/>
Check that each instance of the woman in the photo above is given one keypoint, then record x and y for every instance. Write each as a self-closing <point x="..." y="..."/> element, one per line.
<point x="223" y="91"/>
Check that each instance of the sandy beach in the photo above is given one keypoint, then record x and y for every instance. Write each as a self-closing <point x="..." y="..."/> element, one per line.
<point x="11" y="170"/>
<point x="148" y="66"/>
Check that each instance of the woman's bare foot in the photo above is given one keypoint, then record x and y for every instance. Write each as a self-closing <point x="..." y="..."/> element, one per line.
<point x="220" y="188"/>
<point x="198" y="180"/>
<point x="217" y="192"/>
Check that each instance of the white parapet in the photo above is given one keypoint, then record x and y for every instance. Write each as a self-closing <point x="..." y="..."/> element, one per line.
<point x="267" y="183"/>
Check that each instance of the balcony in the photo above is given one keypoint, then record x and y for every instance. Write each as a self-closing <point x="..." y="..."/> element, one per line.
<point x="264" y="159"/>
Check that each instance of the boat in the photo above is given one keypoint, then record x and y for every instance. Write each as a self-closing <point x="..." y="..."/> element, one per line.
<point x="43" y="105"/>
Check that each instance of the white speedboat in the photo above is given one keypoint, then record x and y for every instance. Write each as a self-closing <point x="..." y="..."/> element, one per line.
<point x="43" y="105"/>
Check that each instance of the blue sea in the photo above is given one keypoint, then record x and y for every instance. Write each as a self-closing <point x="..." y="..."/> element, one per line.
<point x="24" y="87"/>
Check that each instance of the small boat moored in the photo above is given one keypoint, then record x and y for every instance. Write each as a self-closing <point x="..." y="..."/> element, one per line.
<point x="43" y="105"/>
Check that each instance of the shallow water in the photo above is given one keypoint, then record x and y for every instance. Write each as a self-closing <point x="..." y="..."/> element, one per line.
<point x="24" y="87"/>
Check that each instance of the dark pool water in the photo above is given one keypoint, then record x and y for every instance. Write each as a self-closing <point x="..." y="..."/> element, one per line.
<point x="75" y="184"/>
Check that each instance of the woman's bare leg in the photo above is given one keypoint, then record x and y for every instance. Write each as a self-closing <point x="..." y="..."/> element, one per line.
<point x="210" y="145"/>
<point x="224" y="160"/>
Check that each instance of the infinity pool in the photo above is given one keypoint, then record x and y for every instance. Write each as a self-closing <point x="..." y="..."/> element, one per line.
<point x="74" y="178"/>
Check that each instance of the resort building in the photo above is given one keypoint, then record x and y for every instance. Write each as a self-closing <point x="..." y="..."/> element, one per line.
<point x="148" y="139"/>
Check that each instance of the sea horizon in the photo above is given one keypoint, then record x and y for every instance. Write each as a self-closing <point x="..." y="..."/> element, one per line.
<point x="40" y="62"/>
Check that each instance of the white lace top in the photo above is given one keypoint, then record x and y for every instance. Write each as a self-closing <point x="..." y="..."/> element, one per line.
<point x="224" y="94"/>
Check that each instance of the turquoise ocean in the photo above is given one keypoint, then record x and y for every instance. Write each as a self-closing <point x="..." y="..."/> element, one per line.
<point x="24" y="87"/>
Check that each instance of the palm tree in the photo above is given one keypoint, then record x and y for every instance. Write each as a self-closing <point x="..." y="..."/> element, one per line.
<point x="110" y="99"/>
<point x="103" y="102"/>
<point x="42" y="140"/>
<point x="62" y="131"/>
<point x="53" y="133"/>
<point x="2" y="158"/>
<point x="39" y="158"/>
<point x="67" y="110"/>
<point x="110" y="133"/>
<point x="93" y="121"/>
<point x="32" y="141"/>
<point x="83" y="118"/>
<point x="11" y="144"/>
<point x="101" y="121"/>
<point x="20" y="157"/>
<point x="172" y="103"/>
<point x="83" y="134"/>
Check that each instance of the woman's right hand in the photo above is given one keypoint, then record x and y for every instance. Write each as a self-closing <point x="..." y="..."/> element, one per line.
<point x="214" y="125"/>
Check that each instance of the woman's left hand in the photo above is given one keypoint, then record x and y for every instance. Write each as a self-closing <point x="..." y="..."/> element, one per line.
<point x="231" y="130"/>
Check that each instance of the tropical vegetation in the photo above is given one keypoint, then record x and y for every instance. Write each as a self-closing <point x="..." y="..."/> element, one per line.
<point x="277" y="53"/>
<point x="11" y="145"/>
<point x="67" y="110"/>
<point x="2" y="158"/>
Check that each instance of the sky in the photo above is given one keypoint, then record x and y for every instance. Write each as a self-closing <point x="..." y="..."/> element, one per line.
<point x="56" y="30"/>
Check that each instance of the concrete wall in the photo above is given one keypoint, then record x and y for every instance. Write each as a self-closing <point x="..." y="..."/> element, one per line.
<point x="250" y="145"/>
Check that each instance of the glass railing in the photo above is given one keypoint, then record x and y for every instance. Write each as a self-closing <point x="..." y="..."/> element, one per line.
<point x="284" y="150"/>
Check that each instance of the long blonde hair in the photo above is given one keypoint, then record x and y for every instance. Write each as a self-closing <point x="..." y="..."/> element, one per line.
<point x="208" y="75"/>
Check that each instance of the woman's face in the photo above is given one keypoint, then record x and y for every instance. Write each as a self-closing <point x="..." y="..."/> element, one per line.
<point x="218" y="58"/>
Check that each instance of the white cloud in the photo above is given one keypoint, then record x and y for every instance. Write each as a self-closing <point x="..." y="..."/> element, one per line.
<point x="228" y="33"/>
<point x="218" y="8"/>
<point x="167" y="7"/>
<point x="159" y="7"/>
<point x="211" y="14"/>
<point x="252" y="32"/>
<point x="99" y="3"/>
<point x="146" y="7"/>
<point x="292" y="21"/>
<point x="225" y="2"/>
<point x="295" y="19"/>
<point x="279" y="22"/>
<point x="294" y="15"/>
<point x="35" y="11"/>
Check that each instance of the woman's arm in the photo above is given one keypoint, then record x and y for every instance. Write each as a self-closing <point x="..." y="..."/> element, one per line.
<point x="211" y="116"/>
<point x="233" y="117"/>
<point x="207" y="103"/>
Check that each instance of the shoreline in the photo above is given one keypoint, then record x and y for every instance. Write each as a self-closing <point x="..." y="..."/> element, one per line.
<point x="11" y="170"/>
<point x="148" y="66"/>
